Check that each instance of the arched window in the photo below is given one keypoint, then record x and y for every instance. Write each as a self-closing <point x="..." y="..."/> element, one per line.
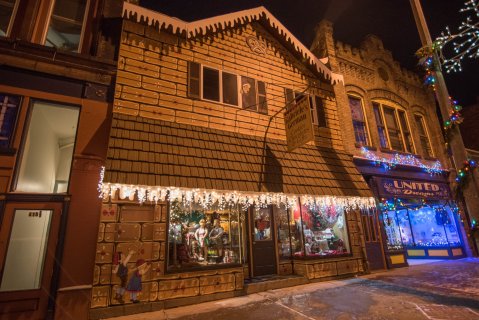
<point x="359" y="120"/>
<point x="423" y="136"/>
<point x="393" y="127"/>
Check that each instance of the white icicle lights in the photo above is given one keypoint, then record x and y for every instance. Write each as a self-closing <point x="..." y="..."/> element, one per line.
<point x="206" y="198"/>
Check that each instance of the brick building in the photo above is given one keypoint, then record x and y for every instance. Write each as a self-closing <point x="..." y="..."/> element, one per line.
<point x="389" y="124"/>
<point x="56" y="90"/>
<point x="198" y="138"/>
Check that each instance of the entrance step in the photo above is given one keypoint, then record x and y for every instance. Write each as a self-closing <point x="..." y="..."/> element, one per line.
<point x="264" y="283"/>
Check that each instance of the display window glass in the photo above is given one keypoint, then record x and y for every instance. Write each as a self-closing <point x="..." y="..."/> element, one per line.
<point x="322" y="230"/>
<point x="202" y="238"/>
<point x="391" y="227"/>
<point x="287" y="236"/>
<point x="422" y="226"/>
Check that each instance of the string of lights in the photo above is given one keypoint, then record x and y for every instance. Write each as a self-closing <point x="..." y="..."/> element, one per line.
<point x="400" y="159"/>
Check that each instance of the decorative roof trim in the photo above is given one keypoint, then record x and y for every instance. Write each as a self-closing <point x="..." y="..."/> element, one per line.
<point x="200" y="27"/>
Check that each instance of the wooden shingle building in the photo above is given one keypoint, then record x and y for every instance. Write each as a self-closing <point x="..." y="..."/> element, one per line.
<point x="201" y="191"/>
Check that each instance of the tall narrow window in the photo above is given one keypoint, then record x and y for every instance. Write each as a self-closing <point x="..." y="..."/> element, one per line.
<point x="9" y="106"/>
<point x="7" y="8"/>
<point x="359" y="121"/>
<point x="48" y="149"/>
<point x="318" y="116"/>
<point x="66" y="24"/>
<point x="406" y="132"/>
<point x="383" y="140"/>
<point x="248" y="93"/>
<point x="211" y="84"/>
<point x="423" y="136"/>
<point x="230" y="88"/>
<point x="262" y="106"/>
<point x="193" y="79"/>
<point x="393" y="130"/>
<point x="320" y="112"/>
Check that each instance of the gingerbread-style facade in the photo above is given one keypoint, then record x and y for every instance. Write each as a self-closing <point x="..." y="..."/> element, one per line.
<point x="186" y="143"/>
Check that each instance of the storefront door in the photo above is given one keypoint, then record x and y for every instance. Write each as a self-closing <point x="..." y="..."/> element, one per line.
<point x="263" y="244"/>
<point x="28" y="237"/>
<point x="372" y="239"/>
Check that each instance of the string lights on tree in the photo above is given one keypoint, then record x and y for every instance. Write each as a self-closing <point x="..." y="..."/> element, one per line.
<point x="465" y="42"/>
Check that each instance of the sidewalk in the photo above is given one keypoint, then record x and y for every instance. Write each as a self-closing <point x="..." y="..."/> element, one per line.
<point x="439" y="290"/>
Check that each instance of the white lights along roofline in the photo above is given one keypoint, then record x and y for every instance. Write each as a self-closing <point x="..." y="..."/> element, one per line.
<point x="200" y="27"/>
<point x="208" y="197"/>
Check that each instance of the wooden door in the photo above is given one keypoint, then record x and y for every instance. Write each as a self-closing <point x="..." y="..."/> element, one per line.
<point x="372" y="239"/>
<point x="263" y="244"/>
<point x="28" y="237"/>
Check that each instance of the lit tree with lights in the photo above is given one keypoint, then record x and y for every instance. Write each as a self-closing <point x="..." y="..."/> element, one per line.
<point x="465" y="42"/>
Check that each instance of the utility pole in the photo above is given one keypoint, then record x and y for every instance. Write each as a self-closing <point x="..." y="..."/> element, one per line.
<point x="456" y="145"/>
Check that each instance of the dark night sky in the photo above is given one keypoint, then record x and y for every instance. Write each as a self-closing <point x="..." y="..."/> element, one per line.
<point x="391" y="20"/>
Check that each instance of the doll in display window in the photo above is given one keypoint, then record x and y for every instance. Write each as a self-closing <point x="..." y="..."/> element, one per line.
<point x="201" y="235"/>
<point x="216" y="237"/>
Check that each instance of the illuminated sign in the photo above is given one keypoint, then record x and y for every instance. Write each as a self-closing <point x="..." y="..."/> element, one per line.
<point x="413" y="189"/>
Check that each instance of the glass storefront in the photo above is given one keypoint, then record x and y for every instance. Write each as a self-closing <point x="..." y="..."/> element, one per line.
<point x="432" y="225"/>
<point x="199" y="237"/>
<point x="311" y="232"/>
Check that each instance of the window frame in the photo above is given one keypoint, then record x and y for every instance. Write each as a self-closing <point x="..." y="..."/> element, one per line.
<point x="12" y="18"/>
<point x="426" y="131"/>
<point x="296" y="95"/>
<point x="239" y="93"/>
<point x="25" y="130"/>
<point x="388" y="104"/>
<point x="368" y="131"/>
<point x="83" y="28"/>
<point x="10" y="147"/>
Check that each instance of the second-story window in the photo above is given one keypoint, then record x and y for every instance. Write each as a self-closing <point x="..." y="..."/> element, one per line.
<point x="359" y="121"/>
<point x="221" y="86"/>
<point x="9" y="106"/>
<point x="7" y="8"/>
<point x="423" y="136"/>
<point x="253" y="95"/>
<point x="393" y="128"/>
<point x="66" y="24"/>
<point x="318" y="114"/>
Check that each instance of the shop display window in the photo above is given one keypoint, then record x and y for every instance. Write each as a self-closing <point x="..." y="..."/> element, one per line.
<point x="404" y="227"/>
<point x="323" y="231"/>
<point x="286" y="226"/>
<point x="423" y="226"/>
<point x="201" y="238"/>
<point x="450" y="227"/>
<point x="391" y="227"/>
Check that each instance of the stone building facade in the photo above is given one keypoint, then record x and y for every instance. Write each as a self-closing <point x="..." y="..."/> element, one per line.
<point x="198" y="137"/>
<point x="391" y="127"/>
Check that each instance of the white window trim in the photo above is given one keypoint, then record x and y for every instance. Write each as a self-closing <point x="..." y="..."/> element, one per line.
<point x="238" y="87"/>
<point x="82" y="34"/>
<point x="426" y="130"/>
<point x="391" y="105"/>
<point x="368" y="131"/>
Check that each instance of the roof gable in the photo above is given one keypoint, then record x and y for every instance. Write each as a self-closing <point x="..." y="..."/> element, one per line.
<point x="201" y="27"/>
